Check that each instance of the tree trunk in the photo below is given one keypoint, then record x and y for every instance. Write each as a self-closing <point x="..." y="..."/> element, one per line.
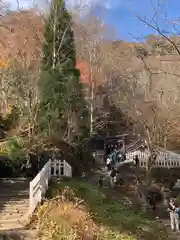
<point x="151" y="161"/>
<point x="29" y="132"/>
<point x="91" y="103"/>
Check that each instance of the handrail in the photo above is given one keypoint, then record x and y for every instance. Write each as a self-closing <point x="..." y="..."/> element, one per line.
<point x="132" y="144"/>
<point x="39" y="185"/>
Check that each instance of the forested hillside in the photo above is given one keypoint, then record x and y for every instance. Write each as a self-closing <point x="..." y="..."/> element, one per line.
<point x="126" y="77"/>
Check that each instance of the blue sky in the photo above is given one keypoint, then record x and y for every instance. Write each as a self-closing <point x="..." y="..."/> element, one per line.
<point x="124" y="19"/>
<point x="122" y="14"/>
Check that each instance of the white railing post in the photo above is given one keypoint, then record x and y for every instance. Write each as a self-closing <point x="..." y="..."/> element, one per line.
<point x="30" y="197"/>
<point x="49" y="169"/>
<point x="38" y="187"/>
<point x="60" y="168"/>
<point x="67" y="169"/>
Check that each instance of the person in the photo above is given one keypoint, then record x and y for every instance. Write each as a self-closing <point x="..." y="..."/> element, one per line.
<point x="43" y="159"/>
<point x="124" y="156"/>
<point x="174" y="216"/>
<point x="32" y="165"/>
<point x="113" y="175"/>
<point x="114" y="153"/>
<point x="100" y="181"/>
<point x="152" y="201"/>
<point x="177" y="209"/>
<point x="83" y="176"/>
<point x="108" y="163"/>
<point x="154" y="196"/>
<point x="136" y="160"/>
<point x="118" y="156"/>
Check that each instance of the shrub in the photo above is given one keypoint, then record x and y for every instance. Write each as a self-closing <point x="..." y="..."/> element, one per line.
<point x="68" y="217"/>
<point x="16" y="153"/>
<point x="83" y="211"/>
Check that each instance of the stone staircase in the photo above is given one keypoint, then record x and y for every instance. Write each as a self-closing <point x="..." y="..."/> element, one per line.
<point x="14" y="200"/>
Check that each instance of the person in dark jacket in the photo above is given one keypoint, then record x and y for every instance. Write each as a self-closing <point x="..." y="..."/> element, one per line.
<point x="100" y="181"/>
<point x="155" y="196"/>
<point x="118" y="156"/>
<point x="136" y="160"/>
<point x="32" y="165"/>
<point x="152" y="201"/>
<point x="43" y="159"/>
<point x="113" y="176"/>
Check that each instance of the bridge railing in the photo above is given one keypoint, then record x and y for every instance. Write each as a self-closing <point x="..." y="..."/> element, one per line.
<point x="60" y="168"/>
<point x="132" y="145"/>
<point x="39" y="185"/>
<point x="164" y="159"/>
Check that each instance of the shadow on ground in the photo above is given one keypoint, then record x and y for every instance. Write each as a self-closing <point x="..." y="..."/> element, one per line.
<point x="19" y="234"/>
<point x="13" y="235"/>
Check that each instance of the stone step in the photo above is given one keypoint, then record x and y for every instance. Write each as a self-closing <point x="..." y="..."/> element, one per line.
<point x="15" y="179"/>
<point x="13" y="190"/>
<point x="13" y="209"/>
<point x="10" y="226"/>
<point x="14" y="195"/>
<point x="11" y="217"/>
<point x="14" y="184"/>
<point x="13" y="205"/>
<point x="13" y="201"/>
<point x="13" y="213"/>
<point x="17" y="185"/>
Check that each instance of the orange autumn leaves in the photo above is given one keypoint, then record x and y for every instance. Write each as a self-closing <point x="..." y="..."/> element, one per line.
<point x="5" y="108"/>
<point x="83" y="67"/>
<point x="4" y="63"/>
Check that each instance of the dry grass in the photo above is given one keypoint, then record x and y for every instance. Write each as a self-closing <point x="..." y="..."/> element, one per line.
<point x="80" y="211"/>
<point x="67" y="217"/>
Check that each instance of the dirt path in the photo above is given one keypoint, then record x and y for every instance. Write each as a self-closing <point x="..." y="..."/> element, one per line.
<point x="171" y="235"/>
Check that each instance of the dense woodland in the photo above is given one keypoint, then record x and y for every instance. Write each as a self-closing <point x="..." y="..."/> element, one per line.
<point x="61" y="79"/>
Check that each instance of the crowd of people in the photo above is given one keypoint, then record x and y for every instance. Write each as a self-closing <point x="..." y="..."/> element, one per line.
<point x="116" y="156"/>
<point x="153" y="197"/>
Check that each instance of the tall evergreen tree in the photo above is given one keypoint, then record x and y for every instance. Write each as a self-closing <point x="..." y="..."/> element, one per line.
<point x="62" y="102"/>
<point x="59" y="48"/>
